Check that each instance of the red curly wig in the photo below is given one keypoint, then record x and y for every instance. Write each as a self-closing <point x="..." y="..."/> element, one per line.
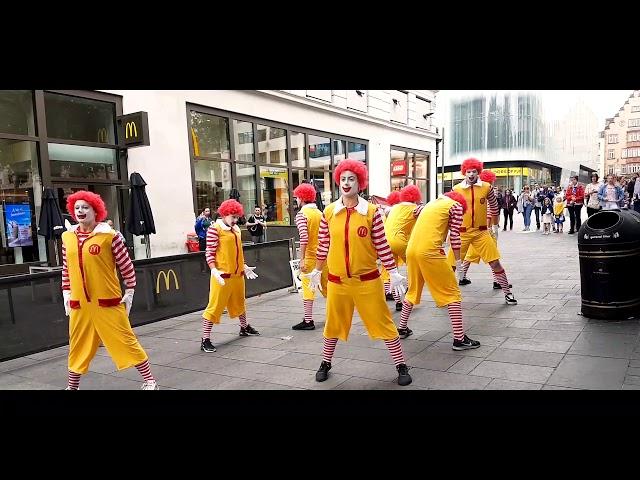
<point x="393" y="198"/>
<point x="471" y="164"/>
<point x="359" y="168"/>
<point x="305" y="192"/>
<point x="457" y="197"/>
<point x="92" y="199"/>
<point x="410" y="193"/>
<point x="488" y="176"/>
<point x="230" y="207"/>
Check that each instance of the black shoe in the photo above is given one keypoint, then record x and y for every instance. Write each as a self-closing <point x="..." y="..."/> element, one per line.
<point x="510" y="299"/>
<point x="464" y="281"/>
<point x="496" y="286"/>
<point x="207" y="346"/>
<point x="465" y="344"/>
<point x="571" y="232"/>
<point x="323" y="372"/>
<point x="403" y="375"/>
<point x="504" y="229"/>
<point x="398" y="306"/>
<point x="304" y="326"/>
<point x="405" y="332"/>
<point x="248" y="330"/>
<point x="389" y="297"/>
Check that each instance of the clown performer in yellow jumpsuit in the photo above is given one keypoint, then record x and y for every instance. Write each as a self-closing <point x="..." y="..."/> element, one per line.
<point x="473" y="256"/>
<point x="474" y="230"/>
<point x="93" y="300"/>
<point x="308" y="223"/>
<point x="399" y="225"/>
<point x="226" y="260"/>
<point x="427" y="263"/>
<point x="351" y="239"/>
<point x="392" y="199"/>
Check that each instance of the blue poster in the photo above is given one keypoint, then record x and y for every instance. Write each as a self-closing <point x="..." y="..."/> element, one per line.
<point x="18" y="217"/>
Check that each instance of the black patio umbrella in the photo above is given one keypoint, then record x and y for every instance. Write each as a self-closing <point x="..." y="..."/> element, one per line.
<point x="140" y="220"/>
<point x="319" y="202"/>
<point x="234" y="194"/>
<point x="51" y="223"/>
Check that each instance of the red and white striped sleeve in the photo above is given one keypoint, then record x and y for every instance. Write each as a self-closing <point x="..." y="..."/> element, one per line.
<point x="455" y="222"/>
<point x="212" y="245"/>
<point x="324" y="240"/>
<point x="417" y="210"/>
<point x="123" y="261"/>
<point x="380" y="242"/>
<point x="66" y="284"/>
<point x="301" y="223"/>
<point x="493" y="209"/>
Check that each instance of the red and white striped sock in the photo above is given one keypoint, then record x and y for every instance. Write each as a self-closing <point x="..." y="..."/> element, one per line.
<point x="395" y="349"/>
<point x="243" y="320"/>
<point x="404" y="315"/>
<point x="396" y="297"/>
<point x="328" y="347"/>
<point x="501" y="278"/>
<point x="206" y="328"/>
<point x="387" y="287"/>
<point x="495" y="279"/>
<point x="465" y="268"/>
<point x="145" y="370"/>
<point x="455" y="315"/>
<point x="308" y="310"/>
<point x="73" y="382"/>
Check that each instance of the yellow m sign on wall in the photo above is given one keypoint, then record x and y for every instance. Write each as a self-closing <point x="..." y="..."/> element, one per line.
<point x="167" y="280"/>
<point x="133" y="130"/>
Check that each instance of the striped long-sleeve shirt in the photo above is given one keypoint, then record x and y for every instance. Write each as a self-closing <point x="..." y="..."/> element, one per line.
<point x="377" y="237"/>
<point x="120" y="253"/>
<point x="212" y="245"/>
<point x="494" y="209"/>
<point x="301" y="223"/>
<point x="455" y="222"/>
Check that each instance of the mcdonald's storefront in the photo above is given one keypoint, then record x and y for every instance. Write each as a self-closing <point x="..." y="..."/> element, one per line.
<point x="67" y="140"/>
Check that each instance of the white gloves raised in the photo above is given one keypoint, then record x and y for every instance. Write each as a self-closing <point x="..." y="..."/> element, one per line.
<point x="127" y="299"/>
<point x="315" y="276"/>
<point x="397" y="282"/>
<point x="249" y="272"/>
<point x="218" y="275"/>
<point x="66" y="295"/>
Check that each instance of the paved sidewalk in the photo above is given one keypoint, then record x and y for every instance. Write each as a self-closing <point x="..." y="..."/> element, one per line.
<point x="542" y="343"/>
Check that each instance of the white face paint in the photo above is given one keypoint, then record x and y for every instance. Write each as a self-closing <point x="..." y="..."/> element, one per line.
<point x="231" y="220"/>
<point x="84" y="213"/>
<point x="472" y="176"/>
<point x="349" y="186"/>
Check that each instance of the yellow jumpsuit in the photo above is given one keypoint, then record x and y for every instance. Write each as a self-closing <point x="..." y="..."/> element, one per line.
<point x="230" y="261"/>
<point x="398" y="227"/>
<point x="313" y="217"/>
<point x="96" y="312"/>
<point x="354" y="279"/>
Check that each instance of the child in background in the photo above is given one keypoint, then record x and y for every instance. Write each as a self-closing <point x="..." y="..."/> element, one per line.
<point x="547" y="216"/>
<point x="558" y="211"/>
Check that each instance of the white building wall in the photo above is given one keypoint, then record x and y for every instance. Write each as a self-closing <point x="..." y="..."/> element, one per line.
<point x="165" y="164"/>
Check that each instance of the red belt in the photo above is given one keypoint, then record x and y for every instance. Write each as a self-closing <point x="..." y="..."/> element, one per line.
<point x="228" y="275"/>
<point x="464" y="229"/>
<point x="367" y="276"/>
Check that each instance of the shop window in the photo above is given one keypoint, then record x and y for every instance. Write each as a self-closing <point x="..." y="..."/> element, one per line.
<point x="80" y="119"/>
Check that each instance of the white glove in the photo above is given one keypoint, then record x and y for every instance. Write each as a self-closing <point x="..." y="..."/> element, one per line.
<point x="494" y="231"/>
<point x="218" y="275"/>
<point x="459" y="273"/>
<point x="66" y="295"/>
<point x="397" y="282"/>
<point x="314" y="278"/>
<point x="249" y="272"/>
<point x="127" y="299"/>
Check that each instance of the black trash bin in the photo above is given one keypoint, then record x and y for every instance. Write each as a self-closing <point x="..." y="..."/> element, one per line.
<point x="609" y="247"/>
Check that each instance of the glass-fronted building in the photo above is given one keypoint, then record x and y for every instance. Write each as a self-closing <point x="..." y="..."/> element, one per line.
<point x="506" y="131"/>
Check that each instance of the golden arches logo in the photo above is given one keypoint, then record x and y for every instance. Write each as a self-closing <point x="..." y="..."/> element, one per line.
<point x="103" y="136"/>
<point x="130" y="130"/>
<point x="167" y="275"/>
